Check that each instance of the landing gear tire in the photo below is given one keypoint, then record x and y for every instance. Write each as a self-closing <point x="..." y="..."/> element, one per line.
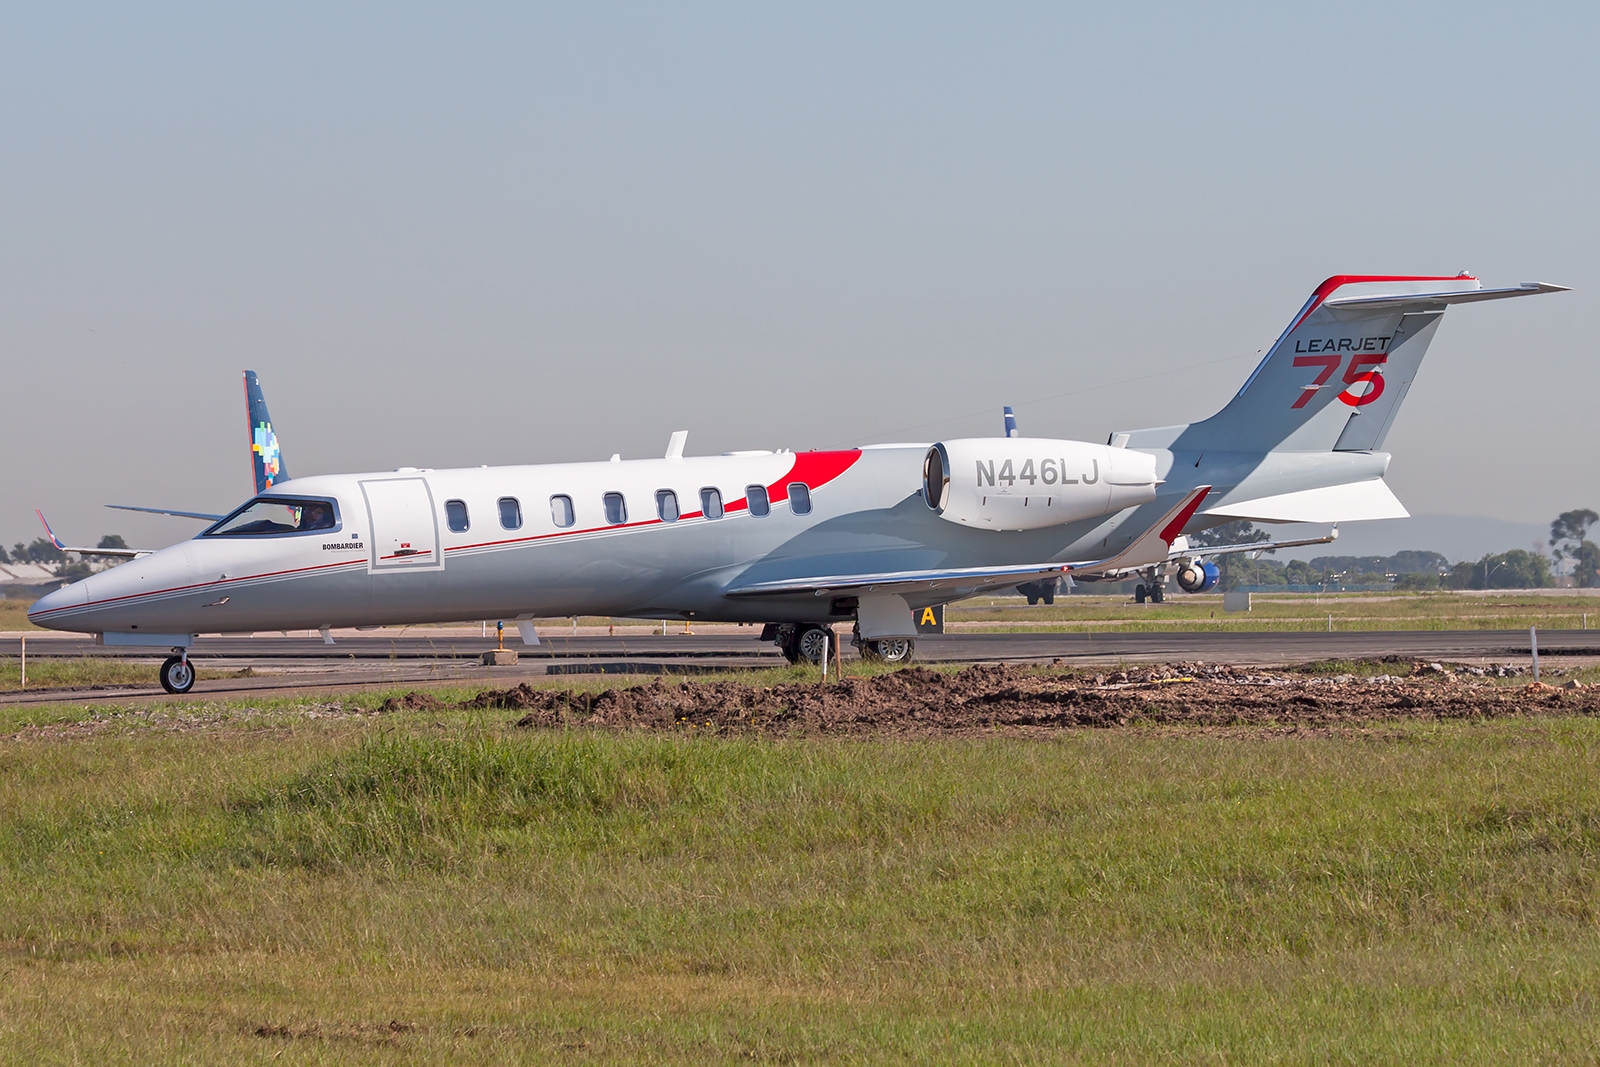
<point x="177" y="675"/>
<point x="1158" y="595"/>
<point x="1139" y="593"/>
<point x="889" y="650"/>
<point x="812" y="643"/>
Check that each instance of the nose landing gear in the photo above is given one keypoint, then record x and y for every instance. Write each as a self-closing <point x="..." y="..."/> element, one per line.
<point x="177" y="673"/>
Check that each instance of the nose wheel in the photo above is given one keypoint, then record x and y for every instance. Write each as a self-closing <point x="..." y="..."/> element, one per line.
<point x="177" y="674"/>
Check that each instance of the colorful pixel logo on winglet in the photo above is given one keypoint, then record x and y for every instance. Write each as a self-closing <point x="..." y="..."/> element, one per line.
<point x="265" y="445"/>
<point x="266" y="458"/>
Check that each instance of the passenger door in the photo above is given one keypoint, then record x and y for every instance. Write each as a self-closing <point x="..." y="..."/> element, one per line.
<point x="405" y="531"/>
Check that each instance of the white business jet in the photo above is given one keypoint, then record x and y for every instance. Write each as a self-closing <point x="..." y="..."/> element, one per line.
<point x="800" y="541"/>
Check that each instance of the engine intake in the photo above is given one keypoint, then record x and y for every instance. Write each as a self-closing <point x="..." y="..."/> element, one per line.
<point x="1027" y="483"/>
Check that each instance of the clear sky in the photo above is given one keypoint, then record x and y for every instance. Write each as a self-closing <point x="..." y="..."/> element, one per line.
<point x="450" y="236"/>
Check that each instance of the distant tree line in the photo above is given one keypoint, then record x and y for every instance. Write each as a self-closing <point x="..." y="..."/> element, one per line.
<point x="1571" y="552"/>
<point x="42" y="552"/>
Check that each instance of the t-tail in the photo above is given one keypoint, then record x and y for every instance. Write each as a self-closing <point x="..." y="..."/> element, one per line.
<point x="266" y="458"/>
<point x="1336" y="377"/>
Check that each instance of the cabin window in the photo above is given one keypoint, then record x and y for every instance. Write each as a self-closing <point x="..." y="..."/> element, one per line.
<point x="667" y="505"/>
<point x="561" y="511"/>
<point x="711" y="503"/>
<point x="800" y="498"/>
<point x="756" y="495"/>
<point x="510" y="513"/>
<point x="616" y="509"/>
<point x="455" y="515"/>
<point x="277" y="515"/>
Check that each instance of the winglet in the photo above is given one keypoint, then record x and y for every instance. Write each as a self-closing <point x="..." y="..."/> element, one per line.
<point x="1155" y="544"/>
<point x="51" y="534"/>
<point x="117" y="553"/>
<point x="1169" y="532"/>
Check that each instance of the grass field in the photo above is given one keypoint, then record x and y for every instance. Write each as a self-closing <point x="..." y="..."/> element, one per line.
<point x="46" y="673"/>
<point x="441" y="887"/>
<point x="14" y="616"/>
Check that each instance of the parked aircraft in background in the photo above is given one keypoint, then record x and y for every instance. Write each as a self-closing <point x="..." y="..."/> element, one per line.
<point x="266" y="458"/>
<point x="1192" y="566"/>
<point x="798" y="540"/>
<point x="267" y="469"/>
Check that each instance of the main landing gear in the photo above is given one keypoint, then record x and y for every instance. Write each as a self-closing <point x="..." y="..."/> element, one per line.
<point x="809" y="641"/>
<point x="177" y="673"/>
<point x="1153" y="588"/>
<point x="800" y="641"/>
<point x="888" y="649"/>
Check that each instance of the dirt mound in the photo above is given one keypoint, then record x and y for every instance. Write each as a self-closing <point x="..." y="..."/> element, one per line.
<point x="413" y="701"/>
<point x="921" y="701"/>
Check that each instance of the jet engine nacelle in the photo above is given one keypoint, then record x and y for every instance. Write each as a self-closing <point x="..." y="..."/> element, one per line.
<point x="1198" y="576"/>
<point x="1025" y="483"/>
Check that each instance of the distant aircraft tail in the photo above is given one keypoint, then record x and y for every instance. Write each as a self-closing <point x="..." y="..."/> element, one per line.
<point x="1336" y="377"/>
<point x="266" y="459"/>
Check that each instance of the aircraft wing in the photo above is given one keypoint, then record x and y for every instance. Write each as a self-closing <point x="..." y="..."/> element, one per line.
<point x="169" y="511"/>
<point x="115" y="553"/>
<point x="964" y="581"/>
<point x="1152" y="546"/>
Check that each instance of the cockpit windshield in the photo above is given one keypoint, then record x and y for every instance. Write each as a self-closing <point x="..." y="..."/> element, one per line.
<point x="276" y="515"/>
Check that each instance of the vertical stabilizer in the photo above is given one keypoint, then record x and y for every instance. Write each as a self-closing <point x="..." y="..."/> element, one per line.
<point x="266" y="459"/>
<point x="1336" y="377"/>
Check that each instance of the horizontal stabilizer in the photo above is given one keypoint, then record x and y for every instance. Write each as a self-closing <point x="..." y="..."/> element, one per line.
<point x="1351" y="502"/>
<point x="1471" y="296"/>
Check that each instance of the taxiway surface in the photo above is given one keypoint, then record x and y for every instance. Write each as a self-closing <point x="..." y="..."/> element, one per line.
<point x="279" y="666"/>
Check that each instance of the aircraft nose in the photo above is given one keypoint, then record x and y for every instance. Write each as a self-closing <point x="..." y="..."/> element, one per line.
<point x="68" y="596"/>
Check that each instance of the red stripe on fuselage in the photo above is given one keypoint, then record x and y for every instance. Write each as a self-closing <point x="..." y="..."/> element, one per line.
<point x="813" y="468"/>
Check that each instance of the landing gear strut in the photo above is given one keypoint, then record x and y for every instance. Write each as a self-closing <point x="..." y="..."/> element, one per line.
<point x="1154" y="588"/>
<point x="177" y="673"/>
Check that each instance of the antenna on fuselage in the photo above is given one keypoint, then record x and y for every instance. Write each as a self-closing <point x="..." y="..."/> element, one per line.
<point x="1011" y="422"/>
